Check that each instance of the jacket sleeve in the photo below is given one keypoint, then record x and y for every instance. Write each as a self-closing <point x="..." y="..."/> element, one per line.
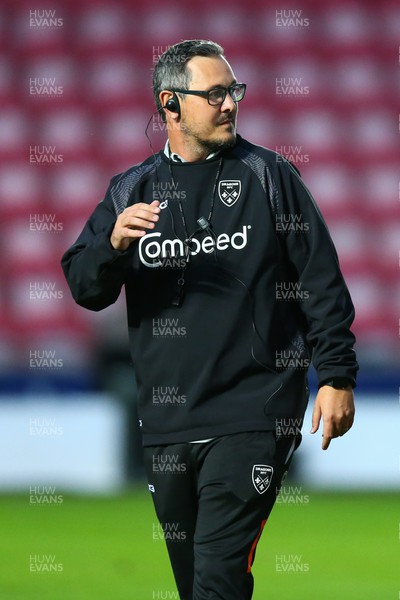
<point x="326" y="302"/>
<point x="94" y="270"/>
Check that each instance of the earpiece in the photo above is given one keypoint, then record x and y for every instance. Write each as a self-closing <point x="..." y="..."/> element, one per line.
<point x="173" y="105"/>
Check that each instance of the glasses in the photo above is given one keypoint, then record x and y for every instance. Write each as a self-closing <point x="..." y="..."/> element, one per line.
<point x="216" y="96"/>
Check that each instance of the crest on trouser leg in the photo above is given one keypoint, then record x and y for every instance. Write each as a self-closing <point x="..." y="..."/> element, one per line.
<point x="262" y="477"/>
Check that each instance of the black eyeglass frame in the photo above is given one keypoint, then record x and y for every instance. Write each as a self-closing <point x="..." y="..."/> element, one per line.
<point x="206" y="95"/>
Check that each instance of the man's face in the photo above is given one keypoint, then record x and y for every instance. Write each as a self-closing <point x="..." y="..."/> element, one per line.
<point x="210" y="127"/>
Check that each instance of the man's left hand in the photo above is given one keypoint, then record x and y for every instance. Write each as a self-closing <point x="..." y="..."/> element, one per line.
<point x="336" y="407"/>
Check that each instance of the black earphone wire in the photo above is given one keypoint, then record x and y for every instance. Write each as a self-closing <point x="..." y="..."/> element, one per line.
<point x="200" y="229"/>
<point x="252" y="316"/>
<point x="250" y="298"/>
<point x="187" y="242"/>
<point x="146" y="134"/>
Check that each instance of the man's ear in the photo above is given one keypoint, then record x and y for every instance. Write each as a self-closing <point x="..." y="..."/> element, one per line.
<point x="170" y="102"/>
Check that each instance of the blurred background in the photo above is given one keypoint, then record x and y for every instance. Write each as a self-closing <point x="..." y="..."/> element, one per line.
<point x="75" y="93"/>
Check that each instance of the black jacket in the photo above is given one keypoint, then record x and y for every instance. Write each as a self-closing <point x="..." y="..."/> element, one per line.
<point x="263" y="293"/>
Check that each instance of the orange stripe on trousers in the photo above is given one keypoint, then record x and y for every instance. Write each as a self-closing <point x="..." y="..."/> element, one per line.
<point x="254" y="546"/>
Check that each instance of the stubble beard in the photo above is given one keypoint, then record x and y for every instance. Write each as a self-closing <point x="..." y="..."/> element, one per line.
<point x="196" y="141"/>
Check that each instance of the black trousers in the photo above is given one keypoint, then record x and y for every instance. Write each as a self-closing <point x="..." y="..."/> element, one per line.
<point x="212" y="501"/>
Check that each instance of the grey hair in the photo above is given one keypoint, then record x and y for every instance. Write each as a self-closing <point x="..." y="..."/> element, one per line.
<point x="171" y="69"/>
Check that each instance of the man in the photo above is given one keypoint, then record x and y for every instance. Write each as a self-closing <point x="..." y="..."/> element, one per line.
<point x="206" y="236"/>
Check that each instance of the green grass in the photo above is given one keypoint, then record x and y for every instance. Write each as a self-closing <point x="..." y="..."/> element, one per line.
<point x="347" y="546"/>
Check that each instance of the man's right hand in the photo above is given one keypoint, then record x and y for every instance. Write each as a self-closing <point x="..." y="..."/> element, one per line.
<point x="132" y="224"/>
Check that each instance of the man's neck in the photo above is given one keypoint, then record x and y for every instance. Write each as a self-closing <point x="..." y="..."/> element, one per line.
<point x="185" y="154"/>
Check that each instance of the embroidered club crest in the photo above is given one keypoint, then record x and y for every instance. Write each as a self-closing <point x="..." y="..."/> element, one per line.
<point x="261" y="477"/>
<point x="229" y="191"/>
